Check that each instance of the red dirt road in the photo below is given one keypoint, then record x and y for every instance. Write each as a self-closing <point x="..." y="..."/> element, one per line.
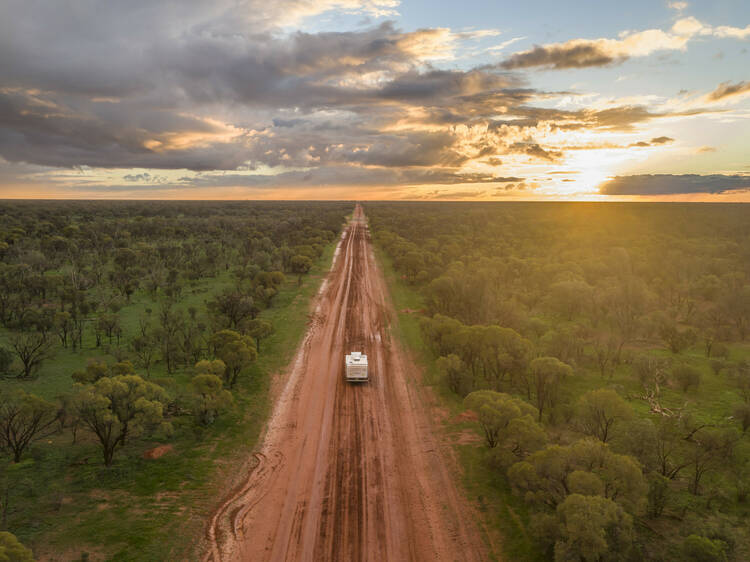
<point x="348" y="472"/>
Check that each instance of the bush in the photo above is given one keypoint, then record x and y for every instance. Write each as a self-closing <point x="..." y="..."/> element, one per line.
<point x="702" y="549"/>
<point x="13" y="551"/>
<point x="6" y="360"/>
<point x="686" y="377"/>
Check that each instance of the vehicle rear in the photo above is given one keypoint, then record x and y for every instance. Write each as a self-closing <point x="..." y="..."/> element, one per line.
<point x="355" y="367"/>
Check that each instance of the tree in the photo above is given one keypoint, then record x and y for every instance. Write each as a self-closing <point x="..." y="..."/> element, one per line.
<point x="496" y="411"/>
<point x="144" y="346"/>
<point x="24" y="418"/>
<point x="710" y="448"/>
<point x="544" y="378"/>
<point x="6" y="360"/>
<point x="592" y="529"/>
<point x="209" y="398"/>
<point x="739" y="374"/>
<point x="235" y="306"/>
<point x="675" y="338"/>
<point x="568" y="298"/>
<point x="686" y="376"/>
<point x="11" y="550"/>
<point x="236" y="351"/>
<point x="95" y="369"/>
<point x="605" y="352"/>
<point x="259" y="329"/>
<point x="116" y="408"/>
<point x="454" y="371"/>
<point x="741" y="412"/>
<point x="64" y="326"/>
<point x="32" y="349"/>
<point x="697" y="548"/>
<point x="658" y="493"/>
<point x="546" y="476"/>
<point x="300" y="265"/>
<point x="599" y="410"/>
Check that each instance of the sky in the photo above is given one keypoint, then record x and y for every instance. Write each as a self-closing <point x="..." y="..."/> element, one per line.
<point x="375" y="99"/>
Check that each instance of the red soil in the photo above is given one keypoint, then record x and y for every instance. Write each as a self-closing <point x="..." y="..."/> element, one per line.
<point x="348" y="471"/>
<point x="157" y="452"/>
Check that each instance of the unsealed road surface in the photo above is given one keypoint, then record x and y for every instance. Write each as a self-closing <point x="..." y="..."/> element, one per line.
<point x="347" y="472"/>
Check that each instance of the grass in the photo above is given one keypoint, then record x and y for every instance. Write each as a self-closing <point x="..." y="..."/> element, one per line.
<point x="503" y="513"/>
<point x="64" y="502"/>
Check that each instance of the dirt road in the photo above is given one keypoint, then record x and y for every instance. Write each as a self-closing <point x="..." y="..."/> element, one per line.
<point x="348" y="471"/>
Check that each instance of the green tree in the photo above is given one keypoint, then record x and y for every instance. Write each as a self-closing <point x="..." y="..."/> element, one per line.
<point x="454" y="371"/>
<point x="259" y="329"/>
<point x="236" y="351"/>
<point x="697" y="548"/>
<point x="544" y="477"/>
<point x="95" y="369"/>
<point x="300" y="265"/>
<point x="496" y="411"/>
<point x="658" y="494"/>
<point x="6" y="360"/>
<point x="209" y="398"/>
<point x="234" y="306"/>
<point x="32" y="349"/>
<point x="592" y="529"/>
<point x="545" y="376"/>
<point x="144" y="346"/>
<point x="741" y="412"/>
<point x="686" y="376"/>
<point x="24" y="418"/>
<point x="11" y="550"/>
<point x="116" y="408"/>
<point x="709" y="449"/>
<point x="598" y="411"/>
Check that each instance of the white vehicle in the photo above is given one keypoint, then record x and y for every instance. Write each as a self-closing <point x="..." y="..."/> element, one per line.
<point x="356" y="367"/>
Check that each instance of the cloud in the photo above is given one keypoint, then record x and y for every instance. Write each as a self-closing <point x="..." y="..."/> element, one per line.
<point x="667" y="184"/>
<point x="232" y="86"/>
<point x="582" y="53"/>
<point x="341" y="176"/>
<point x="535" y="151"/>
<point x="454" y="195"/>
<point x="679" y="6"/>
<point x="728" y="90"/>
<point x="653" y="142"/>
<point x="662" y="140"/>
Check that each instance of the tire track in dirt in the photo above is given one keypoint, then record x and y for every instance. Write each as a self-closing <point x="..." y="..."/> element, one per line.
<point x="347" y="471"/>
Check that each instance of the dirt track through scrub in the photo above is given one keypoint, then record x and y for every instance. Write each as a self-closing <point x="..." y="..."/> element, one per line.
<point x="347" y="471"/>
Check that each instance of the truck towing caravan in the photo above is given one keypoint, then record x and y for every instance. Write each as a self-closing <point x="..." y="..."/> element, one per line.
<point x="356" y="367"/>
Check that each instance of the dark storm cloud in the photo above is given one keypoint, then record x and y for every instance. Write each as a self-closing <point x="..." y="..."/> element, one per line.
<point x="105" y="114"/>
<point x="667" y="184"/>
<point x="579" y="55"/>
<point x="49" y="134"/>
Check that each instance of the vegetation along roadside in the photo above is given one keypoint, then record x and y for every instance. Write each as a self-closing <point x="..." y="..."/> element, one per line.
<point x="594" y="362"/>
<point x="153" y="329"/>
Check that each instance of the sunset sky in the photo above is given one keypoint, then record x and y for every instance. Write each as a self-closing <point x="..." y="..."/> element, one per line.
<point x="375" y="99"/>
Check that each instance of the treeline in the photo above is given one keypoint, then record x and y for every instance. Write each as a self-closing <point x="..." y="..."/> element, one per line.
<point x="603" y="349"/>
<point x="152" y="311"/>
